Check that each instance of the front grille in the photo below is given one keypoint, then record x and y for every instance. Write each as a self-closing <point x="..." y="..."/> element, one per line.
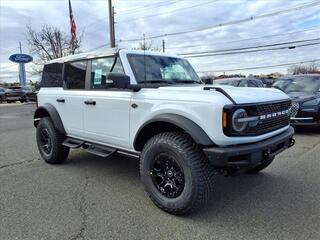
<point x="294" y="109"/>
<point x="273" y="107"/>
<point x="272" y="123"/>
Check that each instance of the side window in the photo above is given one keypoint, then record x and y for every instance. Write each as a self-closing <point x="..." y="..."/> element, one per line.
<point x="52" y="75"/>
<point x="75" y="74"/>
<point x="100" y="68"/>
<point x="243" y="83"/>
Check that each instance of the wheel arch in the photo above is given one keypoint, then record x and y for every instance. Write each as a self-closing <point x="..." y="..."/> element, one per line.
<point x="49" y="110"/>
<point x="170" y="122"/>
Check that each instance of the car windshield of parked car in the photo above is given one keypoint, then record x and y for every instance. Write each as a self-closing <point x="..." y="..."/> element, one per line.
<point x="225" y="82"/>
<point x="299" y="84"/>
<point x="162" y="69"/>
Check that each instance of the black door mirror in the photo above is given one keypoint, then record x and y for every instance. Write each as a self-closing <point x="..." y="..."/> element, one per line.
<point x="117" y="80"/>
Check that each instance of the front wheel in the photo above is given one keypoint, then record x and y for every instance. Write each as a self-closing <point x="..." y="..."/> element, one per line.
<point x="176" y="173"/>
<point x="49" y="141"/>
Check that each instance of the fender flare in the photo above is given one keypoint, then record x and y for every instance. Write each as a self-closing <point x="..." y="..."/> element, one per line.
<point x="50" y="111"/>
<point x="190" y="127"/>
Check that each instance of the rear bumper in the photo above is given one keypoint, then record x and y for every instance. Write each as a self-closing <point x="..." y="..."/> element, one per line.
<point x="247" y="155"/>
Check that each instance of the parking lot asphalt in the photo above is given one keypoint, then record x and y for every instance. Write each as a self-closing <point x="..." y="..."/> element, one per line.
<point x="89" y="197"/>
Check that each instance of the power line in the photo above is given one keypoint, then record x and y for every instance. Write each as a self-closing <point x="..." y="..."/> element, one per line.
<point x="260" y="67"/>
<point x="252" y="47"/>
<point x="175" y="10"/>
<point x="247" y="39"/>
<point x="144" y="7"/>
<point x="251" y="51"/>
<point x="124" y="12"/>
<point x="300" y="7"/>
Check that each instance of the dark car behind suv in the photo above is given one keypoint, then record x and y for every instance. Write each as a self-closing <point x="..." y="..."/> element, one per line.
<point x="2" y="94"/>
<point x="304" y="91"/>
<point x="239" y="82"/>
<point x="21" y="94"/>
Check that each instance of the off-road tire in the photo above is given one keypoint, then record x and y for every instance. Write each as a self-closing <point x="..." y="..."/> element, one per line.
<point x="58" y="153"/>
<point x="198" y="173"/>
<point x="260" y="167"/>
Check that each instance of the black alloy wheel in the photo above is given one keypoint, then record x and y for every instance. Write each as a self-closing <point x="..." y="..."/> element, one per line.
<point x="46" y="142"/>
<point x="167" y="175"/>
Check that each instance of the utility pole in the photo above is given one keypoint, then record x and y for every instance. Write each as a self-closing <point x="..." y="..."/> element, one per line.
<point x="22" y="70"/>
<point x="163" y="46"/>
<point x="20" y="47"/>
<point x="111" y="24"/>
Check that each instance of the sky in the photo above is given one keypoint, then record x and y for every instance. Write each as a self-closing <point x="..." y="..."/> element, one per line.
<point x="220" y="21"/>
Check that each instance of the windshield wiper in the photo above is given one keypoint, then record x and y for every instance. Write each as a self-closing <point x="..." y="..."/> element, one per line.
<point x="157" y="81"/>
<point x="186" y="81"/>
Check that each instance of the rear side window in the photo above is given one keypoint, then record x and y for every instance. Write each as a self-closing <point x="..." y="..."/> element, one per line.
<point x="75" y="74"/>
<point x="52" y="75"/>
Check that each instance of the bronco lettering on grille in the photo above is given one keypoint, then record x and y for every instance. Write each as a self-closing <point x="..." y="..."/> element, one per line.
<point x="273" y="115"/>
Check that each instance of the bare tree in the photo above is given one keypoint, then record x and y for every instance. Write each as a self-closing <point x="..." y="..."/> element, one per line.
<point x="148" y="45"/>
<point x="304" y="68"/>
<point x="50" y="43"/>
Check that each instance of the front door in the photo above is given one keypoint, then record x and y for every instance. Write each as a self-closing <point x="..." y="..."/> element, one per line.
<point x="106" y="111"/>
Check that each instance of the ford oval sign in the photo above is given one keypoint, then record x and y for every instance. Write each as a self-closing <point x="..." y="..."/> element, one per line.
<point x="20" y="58"/>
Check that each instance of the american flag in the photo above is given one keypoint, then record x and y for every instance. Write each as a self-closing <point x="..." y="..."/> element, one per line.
<point x="72" y="25"/>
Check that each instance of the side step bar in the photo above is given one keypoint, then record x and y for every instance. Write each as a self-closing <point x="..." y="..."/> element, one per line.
<point x="72" y="143"/>
<point x="96" y="149"/>
<point x="100" y="150"/>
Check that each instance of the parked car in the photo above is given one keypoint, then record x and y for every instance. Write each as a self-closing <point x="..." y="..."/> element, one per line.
<point x="304" y="91"/>
<point x="239" y="82"/>
<point x="153" y="106"/>
<point x="267" y="82"/>
<point x="33" y="96"/>
<point x="2" y="94"/>
<point x="19" y="93"/>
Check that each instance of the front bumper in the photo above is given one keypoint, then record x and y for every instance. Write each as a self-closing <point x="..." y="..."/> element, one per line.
<point x="249" y="155"/>
<point x="13" y="97"/>
<point x="307" y="116"/>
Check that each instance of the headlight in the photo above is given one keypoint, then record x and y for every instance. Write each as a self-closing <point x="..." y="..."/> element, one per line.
<point x="237" y="124"/>
<point x="312" y="102"/>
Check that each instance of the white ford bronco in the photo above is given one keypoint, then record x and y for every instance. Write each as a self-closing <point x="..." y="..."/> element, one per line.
<point x="154" y="106"/>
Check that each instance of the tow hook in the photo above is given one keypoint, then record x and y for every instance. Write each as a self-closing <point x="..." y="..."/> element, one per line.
<point x="266" y="154"/>
<point x="292" y="142"/>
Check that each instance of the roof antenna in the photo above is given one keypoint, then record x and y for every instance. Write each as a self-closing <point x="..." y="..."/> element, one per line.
<point x="144" y="58"/>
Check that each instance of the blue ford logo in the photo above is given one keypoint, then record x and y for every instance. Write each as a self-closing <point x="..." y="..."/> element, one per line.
<point x="20" y="58"/>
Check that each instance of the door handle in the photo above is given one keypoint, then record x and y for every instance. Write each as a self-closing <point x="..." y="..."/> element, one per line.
<point x="90" y="102"/>
<point x="60" y="100"/>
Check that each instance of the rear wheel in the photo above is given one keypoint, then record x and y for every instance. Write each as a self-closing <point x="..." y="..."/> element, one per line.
<point x="176" y="174"/>
<point x="260" y="167"/>
<point x="49" y="141"/>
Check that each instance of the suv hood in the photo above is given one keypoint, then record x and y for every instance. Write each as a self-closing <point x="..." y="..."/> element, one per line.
<point x="303" y="96"/>
<point x="240" y="95"/>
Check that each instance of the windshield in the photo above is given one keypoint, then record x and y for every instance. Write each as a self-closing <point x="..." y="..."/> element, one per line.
<point x="298" y="84"/>
<point x="225" y="82"/>
<point x="162" y="69"/>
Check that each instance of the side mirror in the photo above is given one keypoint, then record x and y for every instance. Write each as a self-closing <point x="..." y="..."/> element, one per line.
<point x="117" y="80"/>
<point x="120" y="81"/>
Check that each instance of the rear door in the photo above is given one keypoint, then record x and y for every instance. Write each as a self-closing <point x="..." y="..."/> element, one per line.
<point x="106" y="110"/>
<point x="70" y="101"/>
